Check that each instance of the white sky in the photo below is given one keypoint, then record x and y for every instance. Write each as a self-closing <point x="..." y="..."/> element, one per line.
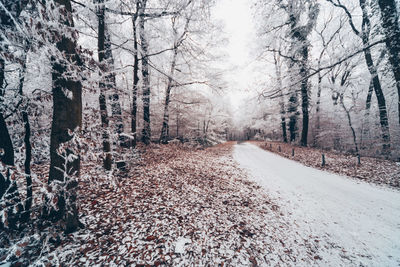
<point x="236" y="15"/>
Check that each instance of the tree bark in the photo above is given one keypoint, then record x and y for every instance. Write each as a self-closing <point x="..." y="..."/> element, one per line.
<point x="146" y="132"/>
<point x="383" y="117"/>
<point x="165" y="125"/>
<point x="390" y="24"/>
<point x="8" y="188"/>
<point x="281" y="99"/>
<point x="107" y="163"/>
<point x="350" y="125"/>
<point x="67" y="119"/>
<point x="116" y="110"/>
<point x="304" y="96"/>
<point x="135" y="79"/>
<point x="28" y="149"/>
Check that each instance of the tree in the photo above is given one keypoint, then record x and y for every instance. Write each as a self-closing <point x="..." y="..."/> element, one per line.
<point x="298" y="34"/>
<point x="146" y="132"/>
<point x="67" y="120"/>
<point x="390" y="24"/>
<point x="364" y="35"/>
<point x="103" y="85"/>
<point x="178" y="39"/>
<point x="281" y="98"/>
<point x="10" y="10"/>
<point x="134" y="18"/>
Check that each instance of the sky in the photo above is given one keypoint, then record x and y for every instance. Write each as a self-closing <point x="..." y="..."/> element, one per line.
<point x="236" y="16"/>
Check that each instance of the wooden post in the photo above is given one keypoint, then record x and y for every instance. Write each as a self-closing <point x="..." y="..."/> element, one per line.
<point x="358" y="159"/>
<point x="292" y="152"/>
<point x="270" y="146"/>
<point x="279" y="148"/>
<point x="323" y="160"/>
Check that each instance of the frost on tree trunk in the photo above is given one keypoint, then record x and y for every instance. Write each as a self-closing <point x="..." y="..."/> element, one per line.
<point x="390" y="24"/>
<point x="304" y="95"/>
<point x="364" y="35"/>
<point x="103" y="88"/>
<point x="165" y="125"/>
<point x="300" y="45"/>
<point x="116" y="111"/>
<point x="281" y="99"/>
<point x="67" y="119"/>
<point x="146" y="132"/>
<point x="8" y="189"/>
<point x="28" y="147"/>
<point x="383" y="117"/>
<point x="135" y="79"/>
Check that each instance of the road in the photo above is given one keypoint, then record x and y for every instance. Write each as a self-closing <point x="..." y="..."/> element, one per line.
<point x="359" y="221"/>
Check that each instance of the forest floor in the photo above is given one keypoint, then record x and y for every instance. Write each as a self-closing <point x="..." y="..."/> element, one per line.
<point x="179" y="207"/>
<point x="372" y="170"/>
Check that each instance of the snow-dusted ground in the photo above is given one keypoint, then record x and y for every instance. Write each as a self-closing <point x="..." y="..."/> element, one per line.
<point x="359" y="221"/>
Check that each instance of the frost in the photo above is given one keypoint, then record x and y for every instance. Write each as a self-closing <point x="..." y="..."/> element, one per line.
<point x="180" y="244"/>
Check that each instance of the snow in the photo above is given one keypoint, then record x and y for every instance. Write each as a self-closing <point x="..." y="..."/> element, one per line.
<point x="360" y="219"/>
<point x="180" y="244"/>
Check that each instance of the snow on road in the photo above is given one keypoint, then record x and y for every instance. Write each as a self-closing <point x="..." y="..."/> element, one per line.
<point x="360" y="220"/>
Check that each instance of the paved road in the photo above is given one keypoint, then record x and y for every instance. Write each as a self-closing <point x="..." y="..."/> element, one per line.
<point x="360" y="219"/>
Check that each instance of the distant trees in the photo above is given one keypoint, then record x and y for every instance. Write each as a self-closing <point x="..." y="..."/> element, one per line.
<point x="288" y="30"/>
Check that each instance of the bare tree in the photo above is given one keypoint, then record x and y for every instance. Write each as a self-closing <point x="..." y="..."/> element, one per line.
<point x="67" y="119"/>
<point x="364" y="35"/>
<point x="103" y="85"/>
<point x="390" y="24"/>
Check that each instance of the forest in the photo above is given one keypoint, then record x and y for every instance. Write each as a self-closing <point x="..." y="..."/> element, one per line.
<point x="108" y="106"/>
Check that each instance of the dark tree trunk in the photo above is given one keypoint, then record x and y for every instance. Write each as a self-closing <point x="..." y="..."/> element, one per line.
<point x="281" y="99"/>
<point x="146" y="133"/>
<point x="107" y="163"/>
<point x="67" y="119"/>
<point x="353" y="132"/>
<point x="293" y="114"/>
<point x="383" y="117"/>
<point x="28" y="150"/>
<point x="390" y="24"/>
<point x="14" y="8"/>
<point x="304" y="95"/>
<point x="7" y="157"/>
<point x="165" y="125"/>
<point x="300" y="44"/>
<point x="135" y="79"/>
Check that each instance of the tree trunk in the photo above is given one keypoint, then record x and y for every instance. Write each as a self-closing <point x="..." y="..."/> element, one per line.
<point x="165" y="125"/>
<point x="116" y="110"/>
<point x="390" y="24"/>
<point x="28" y="149"/>
<point x="281" y="99"/>
<point x="350" y="125"/>
<point x="8" y="188"/>
<point x="304" y="95"/>
<point x="107" y="163"/>
<point x="67" y="119"/>
<point x="135" y="79"/>
<point x="146" y="133"/>
<point x="293" y="114"/>
<point x="383" y="117"/>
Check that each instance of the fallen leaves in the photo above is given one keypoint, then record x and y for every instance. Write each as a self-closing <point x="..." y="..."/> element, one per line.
<point x="198" y="197"/>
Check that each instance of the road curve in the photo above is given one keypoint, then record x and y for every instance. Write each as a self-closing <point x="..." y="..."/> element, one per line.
<point x="360" y="219"/>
